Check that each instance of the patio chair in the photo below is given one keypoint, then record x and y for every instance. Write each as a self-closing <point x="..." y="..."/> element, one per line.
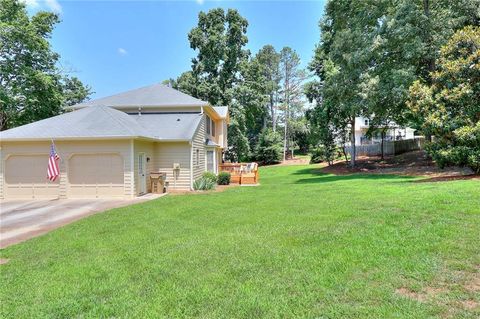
<point x="249" y="175"/>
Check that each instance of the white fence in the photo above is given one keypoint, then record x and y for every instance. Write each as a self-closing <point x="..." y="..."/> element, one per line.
<point x="389" y="147"/>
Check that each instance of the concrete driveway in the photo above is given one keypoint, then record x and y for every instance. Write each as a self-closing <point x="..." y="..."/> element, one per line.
<point x="24" y="219"/>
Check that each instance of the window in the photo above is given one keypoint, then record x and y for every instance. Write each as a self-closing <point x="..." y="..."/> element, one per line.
<point x="197" y="158"/>
<point x="210" y="161"/>
<point x="208" y="124"/>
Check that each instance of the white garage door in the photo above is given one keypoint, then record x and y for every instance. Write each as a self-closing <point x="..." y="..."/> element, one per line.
<point x="26" y="177"/>
<point x="95" y="176"/>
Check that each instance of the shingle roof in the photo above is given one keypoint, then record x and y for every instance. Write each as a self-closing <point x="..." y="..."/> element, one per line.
<point x="169" y="126"/>
<point x="221" y="110"/>
<point x="106" y="122"/>
<point x="153" y="95"/>
<point x="209" y="142"/>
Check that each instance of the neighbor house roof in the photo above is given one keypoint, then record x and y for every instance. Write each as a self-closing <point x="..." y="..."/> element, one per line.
<point x="105" y="122"/>
<point x="158" y="95"/>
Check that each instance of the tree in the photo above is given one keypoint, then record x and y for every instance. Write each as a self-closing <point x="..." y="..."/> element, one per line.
<point x="405" y="47"/>
<point x="375" y="50"/>
<point x="32" y="86"/>
<point x="249" y="97"/>
<point x="74" y="91"/>
<point x="292" y="90"/>
<point x="219" y="38"/>
<point x="269" y="59"/>
<point x="341" y="61"/>
<point x="269" y="147"/>
<point x="450" y="105"/>
<point x="238" y="147"/>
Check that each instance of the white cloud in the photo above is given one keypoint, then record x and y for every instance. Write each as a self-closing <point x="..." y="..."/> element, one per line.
<point x="51" y="5"/>
<point x="122" y="51"/>
<point x="31" y="3"/>
<point x="200" y="1"/>
<point x="54" y="6"/>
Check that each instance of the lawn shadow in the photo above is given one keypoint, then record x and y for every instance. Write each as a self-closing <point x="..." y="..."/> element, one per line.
<point x="318" y="176"/>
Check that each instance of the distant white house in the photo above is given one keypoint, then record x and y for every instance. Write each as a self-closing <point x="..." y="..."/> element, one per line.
<point x="394" y="132"/>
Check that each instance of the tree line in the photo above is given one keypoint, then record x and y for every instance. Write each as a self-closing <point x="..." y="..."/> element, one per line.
<point x="264" y="91"/>
<point x="384" y="60"/>
<point x="411" y="62"/>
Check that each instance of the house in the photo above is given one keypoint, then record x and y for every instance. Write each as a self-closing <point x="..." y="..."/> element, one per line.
<point x="109" y="146"/>
<point x="394" y="132"/>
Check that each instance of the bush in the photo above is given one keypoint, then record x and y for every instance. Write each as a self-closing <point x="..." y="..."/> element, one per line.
<point x="223" y="178"/>
<point x="203" y="184"/>
<point x="210" y="176"/>
<point x="462" y="149"/>
<point x="323" y="154"/>
<point x="269" y="148"/>
<point x="317" y="155"/>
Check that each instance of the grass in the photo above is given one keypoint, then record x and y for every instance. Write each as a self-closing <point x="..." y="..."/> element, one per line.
<point x="302" y="245"/>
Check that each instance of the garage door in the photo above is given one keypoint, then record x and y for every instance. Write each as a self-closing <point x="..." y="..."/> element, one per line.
<point x="26" y="177"/>
<point x="95" y="176"/>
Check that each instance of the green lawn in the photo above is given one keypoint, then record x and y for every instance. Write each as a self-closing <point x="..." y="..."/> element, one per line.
<point x="302" y="245"/>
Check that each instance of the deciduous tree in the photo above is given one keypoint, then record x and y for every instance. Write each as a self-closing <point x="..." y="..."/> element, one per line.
<point x="32" y="87"/>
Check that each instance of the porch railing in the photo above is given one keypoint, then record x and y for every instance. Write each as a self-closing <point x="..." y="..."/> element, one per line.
<point x="240" y="174"/>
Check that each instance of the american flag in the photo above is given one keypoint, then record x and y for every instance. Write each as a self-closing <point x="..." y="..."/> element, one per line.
<point x="53" y="171"/>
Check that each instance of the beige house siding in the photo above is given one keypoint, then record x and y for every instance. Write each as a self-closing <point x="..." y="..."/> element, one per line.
<point x="149" y="149"/>
<point x="66" y="149"/>
<point x="198" y="150"/>
<point x="168" y="153"/>
<point x="2" y="170"/>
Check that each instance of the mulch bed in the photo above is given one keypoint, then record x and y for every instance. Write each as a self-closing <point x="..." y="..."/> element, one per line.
<point x="415" y="163"/>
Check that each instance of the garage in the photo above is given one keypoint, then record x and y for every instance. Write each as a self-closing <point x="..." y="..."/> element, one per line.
<point x="26" y="177"/>
<point x="95" y="176"/>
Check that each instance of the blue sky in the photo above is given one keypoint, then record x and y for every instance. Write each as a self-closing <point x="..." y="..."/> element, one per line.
<point x="114" y="46"/>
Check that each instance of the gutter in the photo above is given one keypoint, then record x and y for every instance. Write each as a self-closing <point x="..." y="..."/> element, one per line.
<point x="77" y="107"/>
<point x="89" y="138"/>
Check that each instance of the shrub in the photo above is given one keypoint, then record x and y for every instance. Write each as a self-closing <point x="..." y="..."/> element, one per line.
<point x="463" y="149"/>
<point x="448" y="108"/>
<point x="210" y="176"/>
<point x="223" y="178"/>
<point x="323" y="154"/>
<point x="269" y="148"/>
<point x="317" y="155"/>
<point x="203" y="184"/>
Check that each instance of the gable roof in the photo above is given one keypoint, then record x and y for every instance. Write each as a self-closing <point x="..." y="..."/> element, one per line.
<point x="169" y="126"/>
<point x="158" y="95"/>
<point x="105" y="122"/>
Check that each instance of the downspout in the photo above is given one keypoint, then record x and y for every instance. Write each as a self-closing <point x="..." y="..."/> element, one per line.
<point x="132" y="168"/>
<point x="191" y="165"/>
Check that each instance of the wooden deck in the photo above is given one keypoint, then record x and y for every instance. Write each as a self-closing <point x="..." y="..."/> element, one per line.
<point x="242" y="173"/>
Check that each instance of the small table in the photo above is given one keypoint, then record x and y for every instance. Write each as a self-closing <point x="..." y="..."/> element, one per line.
<point x="157" y="181"/>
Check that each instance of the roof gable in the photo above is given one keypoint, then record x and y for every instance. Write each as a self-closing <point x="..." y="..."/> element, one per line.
<point x="98" y="122"/>
<point x="156" y="95"/>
